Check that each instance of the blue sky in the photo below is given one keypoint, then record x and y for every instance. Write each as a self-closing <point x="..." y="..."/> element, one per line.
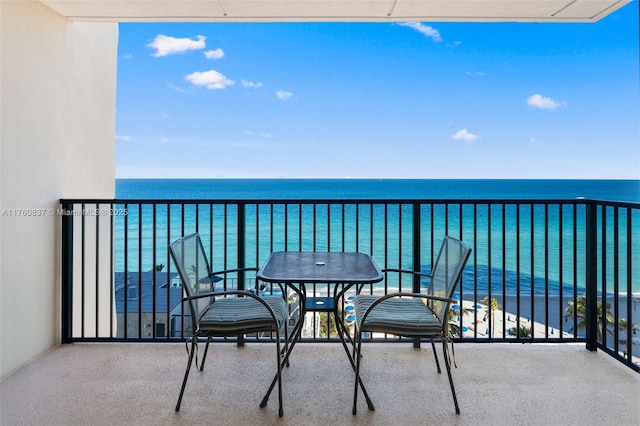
<point x="380" y="100"/>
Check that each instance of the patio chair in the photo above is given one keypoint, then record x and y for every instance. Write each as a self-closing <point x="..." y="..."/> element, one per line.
<point x="223" y="313"/>
<point x="416" y="315"/>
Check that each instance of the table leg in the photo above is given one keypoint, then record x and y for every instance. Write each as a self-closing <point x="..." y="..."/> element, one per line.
<point x="341" y="328"/>
<point x="296" y="334"/>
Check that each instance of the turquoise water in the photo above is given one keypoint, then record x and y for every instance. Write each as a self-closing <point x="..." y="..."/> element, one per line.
<point x="336" y="228"/>
<point x="610" y="190"/>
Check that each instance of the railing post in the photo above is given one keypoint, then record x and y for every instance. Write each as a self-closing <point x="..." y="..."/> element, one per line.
<point x="417" y="243"/>
<point x="242" y="223"/>
<point x="591" y="270"/>
<point x="67" y="272"/>
<point x="242" y="244"/>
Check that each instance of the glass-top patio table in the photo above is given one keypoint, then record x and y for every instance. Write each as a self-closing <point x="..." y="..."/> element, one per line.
<point x="340" y="269"/>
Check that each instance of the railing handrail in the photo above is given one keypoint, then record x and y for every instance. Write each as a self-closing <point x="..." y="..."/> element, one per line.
<point x="349" y="201"/>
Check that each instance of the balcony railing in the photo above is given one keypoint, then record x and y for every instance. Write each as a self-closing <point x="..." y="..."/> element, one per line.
<point x="540" y="271"/>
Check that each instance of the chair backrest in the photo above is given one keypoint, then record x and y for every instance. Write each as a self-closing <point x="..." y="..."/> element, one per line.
<point x="447" y="272"/>
<point x="193" y="267"/>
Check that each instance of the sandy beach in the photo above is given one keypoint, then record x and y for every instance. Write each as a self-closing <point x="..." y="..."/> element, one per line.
<point x="548" y="318"/>
<point x="474" y="321"/>
<point x="545" y="316"/>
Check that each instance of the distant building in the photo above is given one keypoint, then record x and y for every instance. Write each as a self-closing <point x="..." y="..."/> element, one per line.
<point x="150" y="297"/>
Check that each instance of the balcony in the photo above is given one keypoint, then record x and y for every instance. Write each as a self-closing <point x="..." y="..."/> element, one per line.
<point x="563" y="274"/>
<point x="81" y="61"/>
<point x="117" y="384"/>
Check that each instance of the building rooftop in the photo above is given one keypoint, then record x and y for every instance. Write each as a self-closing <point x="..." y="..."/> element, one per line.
<point x="167" y="290"/>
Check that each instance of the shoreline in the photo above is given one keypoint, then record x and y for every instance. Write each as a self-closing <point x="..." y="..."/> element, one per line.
<point x="551" y="310"/>
<point x="474" y="322"/>
<point x="475" y="318"/>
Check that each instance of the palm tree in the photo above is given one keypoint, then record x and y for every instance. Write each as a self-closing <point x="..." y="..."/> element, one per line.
<point x="579" y="310"/>
<point x="454" y="314"/>
<point x="624" y="325"/>
<point x="522" y="331"/>
<point x="492" y="306"/>
<point x="326" y="318"/>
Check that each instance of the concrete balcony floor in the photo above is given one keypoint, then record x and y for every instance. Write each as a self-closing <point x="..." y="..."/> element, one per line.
<point x="138" y="384"/>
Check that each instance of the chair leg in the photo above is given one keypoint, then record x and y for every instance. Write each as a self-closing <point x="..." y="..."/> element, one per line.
<point x="435" y="354"/>
<point x="357" y="347"/>
<point x="279" y="359"/>
<point x="204" y="356"/>
<point x="447" y="363"/>
<point x="277" y="379"/>
<point x="286" y="341"/>
<point x="355" y="365"/>
<point x="186" y="373"/>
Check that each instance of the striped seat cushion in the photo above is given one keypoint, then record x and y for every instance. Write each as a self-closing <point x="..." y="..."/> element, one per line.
<point x="228" y="315"/>
<point x="407" y="316"/>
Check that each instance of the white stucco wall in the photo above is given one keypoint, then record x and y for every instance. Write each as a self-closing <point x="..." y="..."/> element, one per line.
<point x="57" y="135"/>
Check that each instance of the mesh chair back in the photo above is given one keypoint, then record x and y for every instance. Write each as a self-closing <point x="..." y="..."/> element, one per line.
<point x="447" y="271"/>
<point x="195" y="273"/>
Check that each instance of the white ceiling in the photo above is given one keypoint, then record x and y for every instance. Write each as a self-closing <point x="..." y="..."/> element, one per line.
<point x="335" y="10"/>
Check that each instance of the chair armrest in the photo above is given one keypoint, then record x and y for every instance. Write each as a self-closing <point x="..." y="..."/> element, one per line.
<point x="221" y="294"/>
<point x="229" y="271"/>
<point x="406" y="271"/>
<point x="419" y="295"/>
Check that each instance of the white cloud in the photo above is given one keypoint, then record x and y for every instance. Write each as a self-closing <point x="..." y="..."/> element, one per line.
<point x="211" y="79"/>
<point x="534" y="141"/>
<point x="265" y="135"/>
<point x="166" y="45"/>
<point x="253" y="85"/>
<point x="543" y="102"/>
<point x="123" y="138"/>
<point x="214" y="54"/>
<point x="174" y="87"/>
<point x="284" y="96"/>
<point x="127" y="56"/>
<point x="424" y="29"/>
<point x="465" y="135"/>
<point x="475" y="73"/>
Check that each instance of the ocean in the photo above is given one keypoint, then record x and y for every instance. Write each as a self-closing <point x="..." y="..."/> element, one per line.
<point x="549" y="265"/>
<point x="606" y="190"/>
<point x="504" y="272"/>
